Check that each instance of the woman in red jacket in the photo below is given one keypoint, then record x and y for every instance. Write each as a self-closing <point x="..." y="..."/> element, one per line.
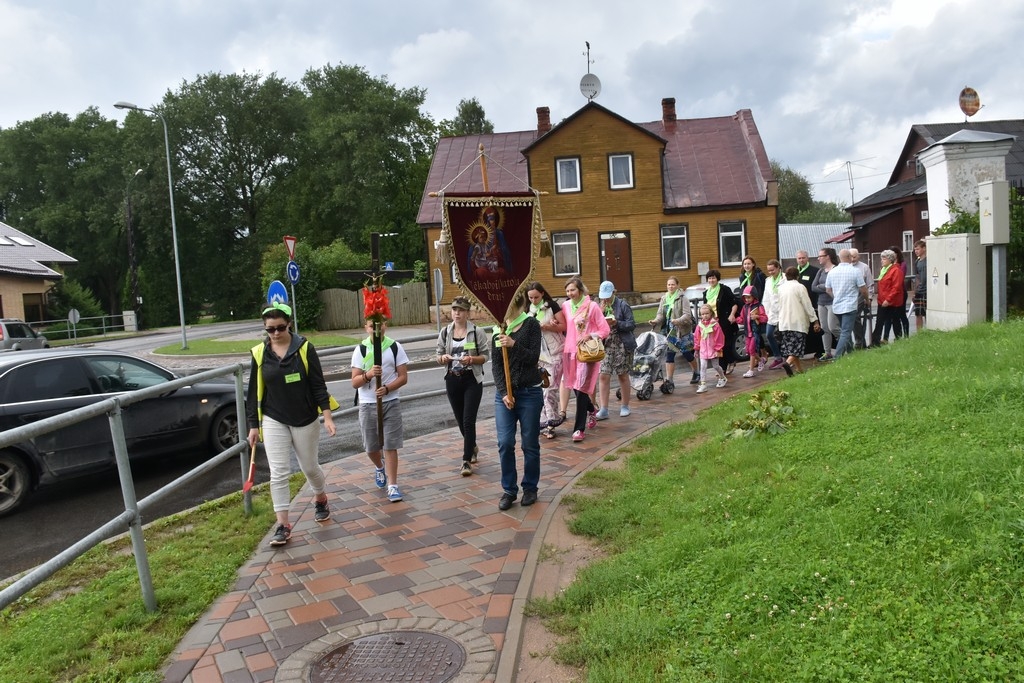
<point x="891" y="299"/>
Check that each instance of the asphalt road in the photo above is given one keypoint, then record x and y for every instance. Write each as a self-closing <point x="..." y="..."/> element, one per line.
<point x="57" y="516"/>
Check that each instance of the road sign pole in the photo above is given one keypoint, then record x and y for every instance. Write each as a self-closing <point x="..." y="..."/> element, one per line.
<point x="295" y="312"/>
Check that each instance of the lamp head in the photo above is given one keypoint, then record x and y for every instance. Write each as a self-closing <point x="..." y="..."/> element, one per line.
<point x="125" y="105"/>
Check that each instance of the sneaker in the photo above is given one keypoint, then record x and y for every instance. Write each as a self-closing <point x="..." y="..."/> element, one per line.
<point x="729" y="368"/>
<point x="721" y="382"/>
<point x="281" y="535"/>
<point x="602" y="414"/>
<point x="476" y="451"/>
<point x="466" y="469"/>
<point x="748" y="373"/>
<point x="702" y="388"/>
<point x="695" y="379"/>
<point x="760" y="365"/>
<point x="578" y="435"/>
<point x="591" y="420"/>
<point x="624" y="411"/>
<point x="380" y="478"/>
<point x="824" y="358"/>
<point x="394" y="495"/>
<point x="788" y="368"/>
<point x="323" y="513"/>
<point x="776" y="364"/>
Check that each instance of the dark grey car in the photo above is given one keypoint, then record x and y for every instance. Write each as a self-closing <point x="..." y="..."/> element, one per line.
<point x="38" y="384"/>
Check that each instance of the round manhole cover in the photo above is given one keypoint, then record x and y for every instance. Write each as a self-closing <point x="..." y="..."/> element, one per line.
<point x="405" y="656"/>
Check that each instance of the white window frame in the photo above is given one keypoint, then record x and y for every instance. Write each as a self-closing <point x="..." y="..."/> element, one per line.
<point x="562" y="243"/>
<point x="730" y="230"/>
<point x="572" y="165"/>
<point x="908" y="242"/>
<point x="666" y="242"/>
<point x="629" y="184"/>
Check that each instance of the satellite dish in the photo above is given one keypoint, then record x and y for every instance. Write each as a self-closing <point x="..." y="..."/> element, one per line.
<point x="970" y="103"/>
<point x="590" y="86"/>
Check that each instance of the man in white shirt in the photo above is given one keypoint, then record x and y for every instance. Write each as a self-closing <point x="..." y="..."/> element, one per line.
<point x="862" y="325"/>
<point x="846" y="285"/>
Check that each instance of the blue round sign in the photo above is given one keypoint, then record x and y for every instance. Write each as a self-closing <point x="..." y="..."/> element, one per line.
<point x="277" y="293"/>
<point x="293" y="272"/>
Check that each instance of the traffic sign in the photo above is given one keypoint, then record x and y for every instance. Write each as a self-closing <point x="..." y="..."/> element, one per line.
<point x="293" y="272"/>
<point x="277" y="293"/>
<point x="389" y="265"/>
<point x="289" y="243"/>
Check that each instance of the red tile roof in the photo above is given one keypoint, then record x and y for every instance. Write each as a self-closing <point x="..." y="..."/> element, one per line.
<point x="507" y="169"/>
<point x="718" y="161"/>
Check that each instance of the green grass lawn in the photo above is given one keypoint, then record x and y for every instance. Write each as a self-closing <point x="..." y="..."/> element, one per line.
<point x="878" y="537"/>
<point x="88" y="624"/>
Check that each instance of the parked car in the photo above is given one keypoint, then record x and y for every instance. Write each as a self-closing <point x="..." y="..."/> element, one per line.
<point x="695" y="295"/>
<point x="38" y="384"/>
<point x="16" y="335"/>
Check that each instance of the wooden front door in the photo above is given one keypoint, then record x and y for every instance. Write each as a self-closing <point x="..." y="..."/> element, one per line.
<point x="617" y="260"/>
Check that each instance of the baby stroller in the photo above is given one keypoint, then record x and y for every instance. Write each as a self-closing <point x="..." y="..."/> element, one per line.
<point x="648" y="366"/>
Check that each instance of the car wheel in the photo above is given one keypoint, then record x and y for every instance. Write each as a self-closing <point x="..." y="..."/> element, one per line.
<point x="224" y="430"/>
<point x="15" y="482"/>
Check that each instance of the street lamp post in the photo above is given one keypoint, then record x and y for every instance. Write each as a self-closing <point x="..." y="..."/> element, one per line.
<point x="133" y="270"/>
<point x="174" y="226"/>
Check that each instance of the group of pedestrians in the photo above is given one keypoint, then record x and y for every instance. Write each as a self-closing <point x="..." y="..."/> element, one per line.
<point x="785" y="315"/>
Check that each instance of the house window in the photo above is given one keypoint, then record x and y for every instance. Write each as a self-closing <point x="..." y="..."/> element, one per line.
<point x="568" y="171"/>
<point x="620" y="171"/>
<point x="732" y="242"/>
<point x="565" y="253"/>
<point x="453" y="276"/>
<point x="675" y="253"/>
<point x="35" y="307"/>
<point x="908" y="242"/>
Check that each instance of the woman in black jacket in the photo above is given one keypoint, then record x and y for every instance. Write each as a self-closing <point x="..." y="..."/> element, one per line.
<point x="725" y="307"/>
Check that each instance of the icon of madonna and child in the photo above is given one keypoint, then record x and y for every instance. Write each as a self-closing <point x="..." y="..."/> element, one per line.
<point x="489" y="257"/>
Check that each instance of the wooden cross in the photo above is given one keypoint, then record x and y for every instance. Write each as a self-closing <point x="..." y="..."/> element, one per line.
<point x="375" y="277"/>
<point x="375" y="272"/>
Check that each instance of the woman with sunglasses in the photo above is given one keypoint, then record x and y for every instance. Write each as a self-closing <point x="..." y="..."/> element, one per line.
<point x="287" y="392"/>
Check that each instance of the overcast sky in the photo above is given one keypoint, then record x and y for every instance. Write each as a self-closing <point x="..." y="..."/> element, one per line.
<point x="828" y="82"/>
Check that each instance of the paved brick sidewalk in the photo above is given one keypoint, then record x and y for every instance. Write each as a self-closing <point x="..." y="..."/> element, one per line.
<point x="444" y="561"/>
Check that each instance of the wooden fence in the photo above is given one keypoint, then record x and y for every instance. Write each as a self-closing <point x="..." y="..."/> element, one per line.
<point x="343" y="308"/>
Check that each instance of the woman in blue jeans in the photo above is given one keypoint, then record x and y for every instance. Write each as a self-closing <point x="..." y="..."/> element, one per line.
<point x="520" y="340"/>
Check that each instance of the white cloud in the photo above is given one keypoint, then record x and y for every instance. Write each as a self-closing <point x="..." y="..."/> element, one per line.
<point x="827" y="82"/>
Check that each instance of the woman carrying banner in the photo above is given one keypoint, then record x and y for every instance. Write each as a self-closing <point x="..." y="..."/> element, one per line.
<point x="285" y="392"/>
<point x="583" y="318"/>
<point x="462" y="347"/>
<point x="520" y="343"/>
<point x="552" y="326"/>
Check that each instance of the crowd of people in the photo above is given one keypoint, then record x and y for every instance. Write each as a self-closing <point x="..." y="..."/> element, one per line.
<point x="785" y="317"/>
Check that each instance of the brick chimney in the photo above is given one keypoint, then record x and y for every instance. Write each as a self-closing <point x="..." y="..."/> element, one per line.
<point x="543" y="120"/>
<point x="668" y="110"/>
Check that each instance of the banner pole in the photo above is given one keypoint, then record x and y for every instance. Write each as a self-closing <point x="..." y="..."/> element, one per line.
<point x="504" y="327"/>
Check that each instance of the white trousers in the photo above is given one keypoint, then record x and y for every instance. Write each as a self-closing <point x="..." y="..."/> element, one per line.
<point x="278" y="441"/>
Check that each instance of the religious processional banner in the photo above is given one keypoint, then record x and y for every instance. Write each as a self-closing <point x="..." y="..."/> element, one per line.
<point x="493" y="242"/>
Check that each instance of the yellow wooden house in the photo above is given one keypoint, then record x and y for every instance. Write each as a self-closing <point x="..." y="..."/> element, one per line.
<point x="628" y="202"/>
